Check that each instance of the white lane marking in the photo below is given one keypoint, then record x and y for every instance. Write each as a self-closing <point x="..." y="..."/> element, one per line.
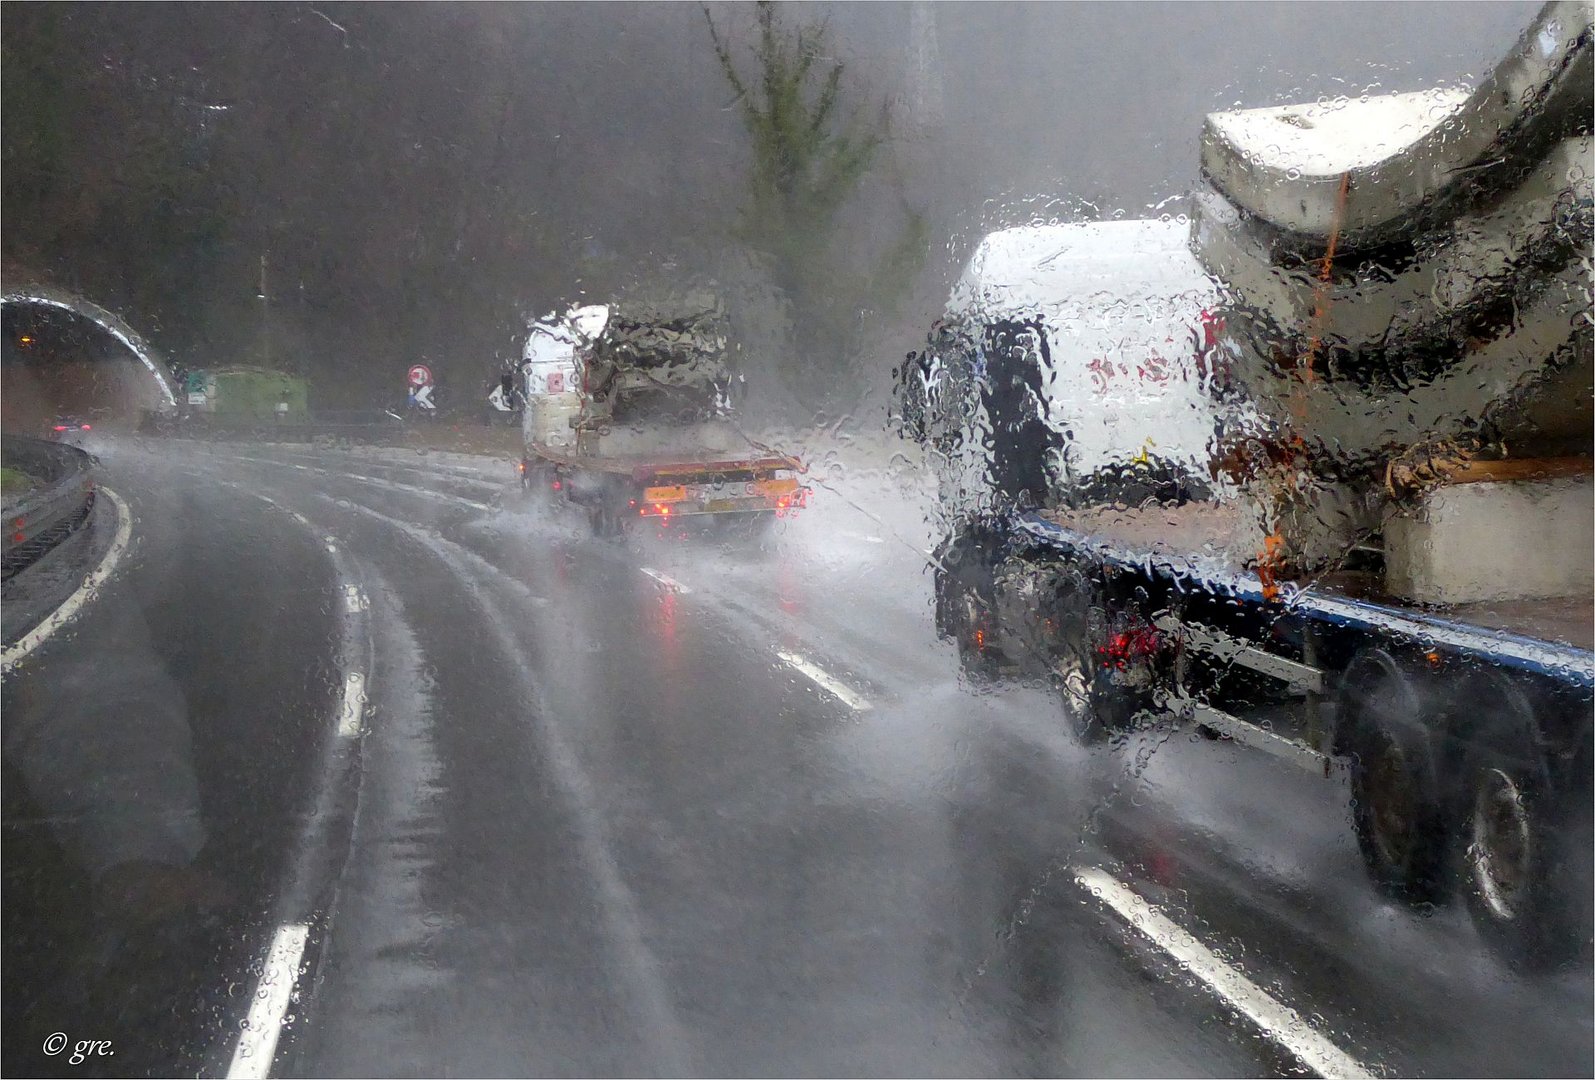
<point x="84" y="592"/>
<point x="665" y="580"/>
<point x="474" y="478"/>
<point x="378" y="481"/>
<point x="1278" y="1023"/>
<point x="821" y="678"/>
<point x="257" y="1045"/>
<point x="351" y="699"/>
<point x="639" y="967"/>
<point x="351" y="705"/>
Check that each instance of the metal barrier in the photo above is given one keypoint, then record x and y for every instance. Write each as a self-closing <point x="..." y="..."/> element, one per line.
<point x="370" y="425"/>
<point x="38" y="519"/>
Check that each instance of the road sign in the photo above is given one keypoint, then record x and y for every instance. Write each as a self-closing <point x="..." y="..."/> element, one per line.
<point x="420" y="375"/>
<point x="422" y="396"/>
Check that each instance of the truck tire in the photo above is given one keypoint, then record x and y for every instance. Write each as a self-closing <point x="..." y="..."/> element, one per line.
<point x="965" y="600"/>
<point x="1525" y="850"/>
<point x="746" y="528"/>
<point x="1074" y="673"/>
<point x="978" y="655"/>
<point x="1386" y="716"/>
<point x="1064" y="646"/>
<point x="604" y="522"/>
<point x="1114" y="709"/>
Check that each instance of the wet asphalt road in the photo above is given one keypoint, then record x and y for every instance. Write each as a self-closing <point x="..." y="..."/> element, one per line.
<point x="653" y="807"/>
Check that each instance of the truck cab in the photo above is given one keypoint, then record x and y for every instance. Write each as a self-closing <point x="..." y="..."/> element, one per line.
<point x="1072" y="365"/>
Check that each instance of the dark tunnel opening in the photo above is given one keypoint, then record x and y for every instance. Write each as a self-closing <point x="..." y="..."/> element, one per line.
<point x="56" y="361"/>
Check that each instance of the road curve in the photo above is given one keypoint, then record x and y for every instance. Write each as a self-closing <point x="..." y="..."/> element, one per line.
<point x="495" y="798"/>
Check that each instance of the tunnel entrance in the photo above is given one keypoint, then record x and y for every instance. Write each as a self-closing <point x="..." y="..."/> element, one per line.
<point x="62" y="356"/>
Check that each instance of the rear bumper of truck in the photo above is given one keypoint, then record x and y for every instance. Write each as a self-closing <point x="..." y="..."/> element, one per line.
<point x="663" y="491"/>
<point x="691" y="497"/>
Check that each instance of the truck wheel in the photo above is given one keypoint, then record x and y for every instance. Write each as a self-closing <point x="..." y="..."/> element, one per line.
<point x="746" y="528"/>
<point x="1397" y="808"/>
<point x="1072" y="678"/>
<point x="1522" y="845"/>
<point x="603" y="520"/>
<point x="977" y="652"/>
<point x="1115" y="705"/>
<point x="537" y="477"/>
<point x="965" y="601"/>
<point x="1067" y="618"/>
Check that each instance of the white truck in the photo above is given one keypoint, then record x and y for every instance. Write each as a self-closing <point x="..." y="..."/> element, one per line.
<point x="1390" y="571"/>
<point x="628" y="415"/>
<point x="1077" y="356"/>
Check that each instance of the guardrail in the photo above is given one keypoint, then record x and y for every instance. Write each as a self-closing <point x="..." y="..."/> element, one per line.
<point x="255" y="430"/>
<point x="38" y="519"/>
<point x="373" y="426"/>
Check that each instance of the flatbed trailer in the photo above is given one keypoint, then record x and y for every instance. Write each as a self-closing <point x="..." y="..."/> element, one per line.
<point x="665" y="489"/>
<point x="1465" y="731"/>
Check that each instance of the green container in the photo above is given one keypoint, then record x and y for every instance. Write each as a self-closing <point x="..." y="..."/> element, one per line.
<point x="252" y="394"/>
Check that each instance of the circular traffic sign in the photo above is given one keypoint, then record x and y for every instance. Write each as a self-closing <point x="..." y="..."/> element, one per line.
<point x="420" y="375"/>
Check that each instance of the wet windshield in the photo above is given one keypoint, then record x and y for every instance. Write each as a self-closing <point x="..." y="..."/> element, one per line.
<point x="807" y="539"/>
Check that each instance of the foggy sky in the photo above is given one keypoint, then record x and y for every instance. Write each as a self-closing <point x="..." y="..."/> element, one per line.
<point x="421" y="178"/>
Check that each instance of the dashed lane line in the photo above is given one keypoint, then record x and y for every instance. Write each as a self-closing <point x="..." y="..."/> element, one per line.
<point x="376" y="481"/>
<point x="257" y="1042"/>
<point x="1278" y="1023"/>
<point x="257" y="1045"/>
<point x="491" y="481"/>
<point x="666" y="580"/>
<point x="351" y="705"/>
<point x="381" y="482"/>
<point x="662" y="1029"/>
<point x="823" y="679"/>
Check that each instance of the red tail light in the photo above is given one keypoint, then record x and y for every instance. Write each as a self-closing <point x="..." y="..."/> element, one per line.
<point x="1135" y="642"/>
<point x="60" y="427"/>
<point x="87" y="428"/>
<point x="558" y="485"/>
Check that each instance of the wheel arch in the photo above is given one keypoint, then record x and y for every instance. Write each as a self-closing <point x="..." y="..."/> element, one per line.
<point x="1369" y="666"/>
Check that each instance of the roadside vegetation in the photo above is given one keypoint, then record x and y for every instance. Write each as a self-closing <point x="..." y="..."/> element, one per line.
<point x="14" y="481"/>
